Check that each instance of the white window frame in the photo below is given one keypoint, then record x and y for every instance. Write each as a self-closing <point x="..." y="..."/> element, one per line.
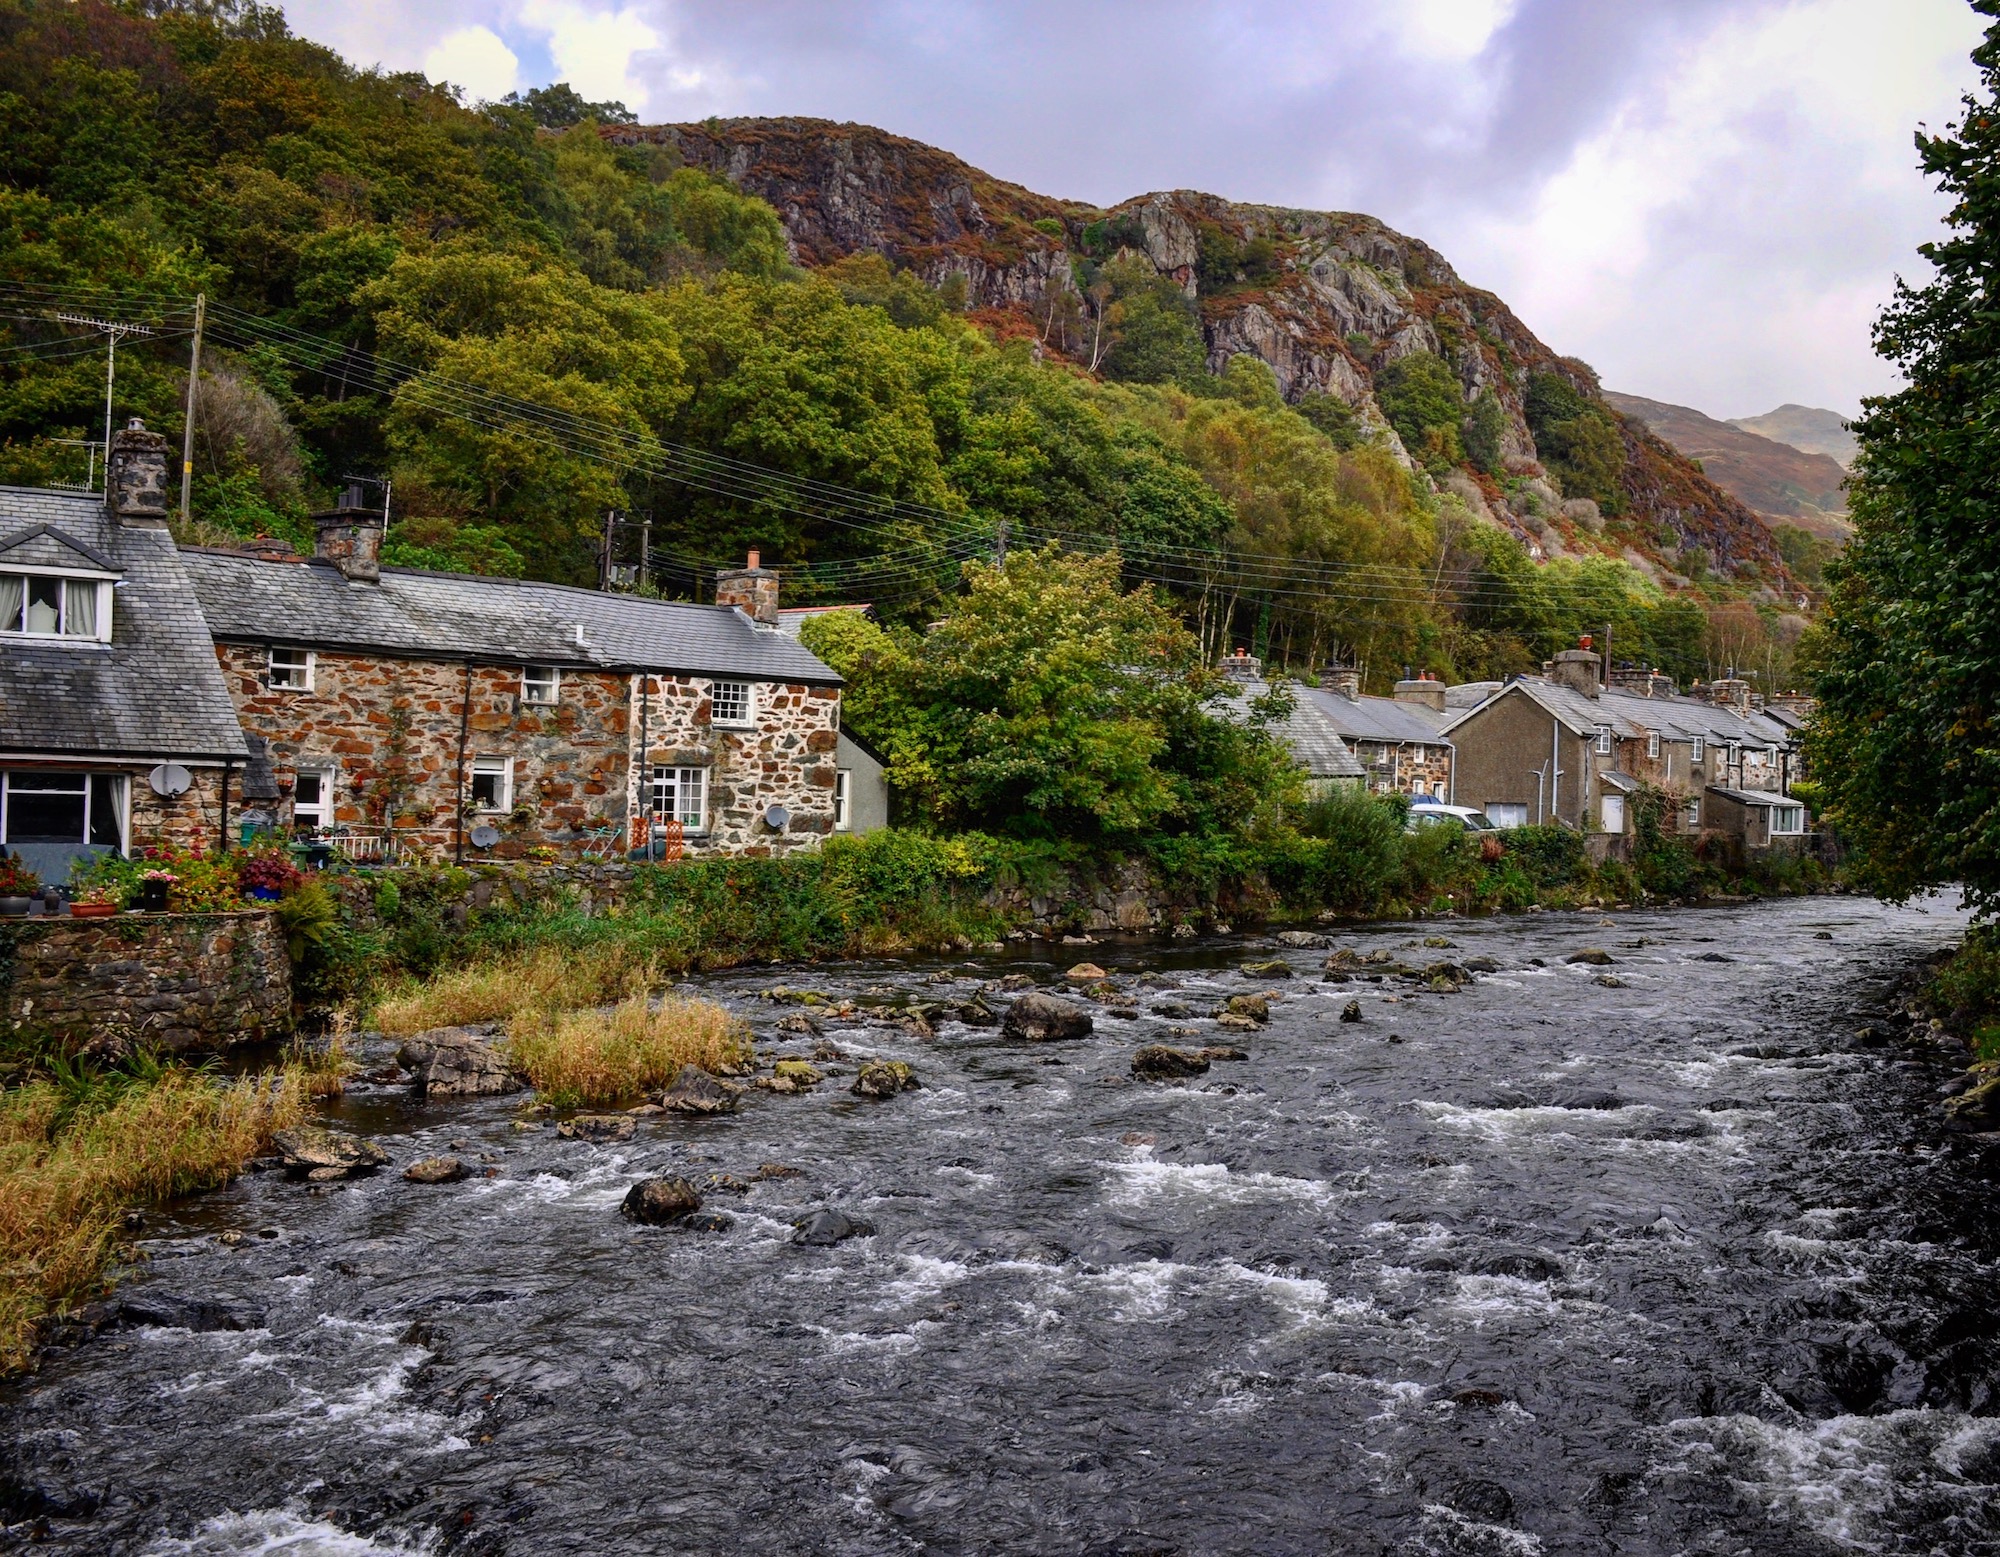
<point x="541" y="685"/>
<point x="102" y="583"/>
<point x="1691" y="814"/>
<point x="682" y="781"/>
<point x="120" y="793"/>
<point x="494" y="767"/>
<point x="1795" y="814"/>
<point x="743" y="720"/>
<point x="843" y="799"/>
<point x="1700" y="752"/>
<point x="1653" y="745"/>
<point x="1509" y="809"/>
<point x="328" y="774"/>
<point x="1603" y="742"/>
<point x="308" y="670"/>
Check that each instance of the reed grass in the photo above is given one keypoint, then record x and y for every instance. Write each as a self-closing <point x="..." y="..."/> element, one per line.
<point x="546" y="978"/>
<point x="576" y="1057"/>
<point x="69" y="1165"/>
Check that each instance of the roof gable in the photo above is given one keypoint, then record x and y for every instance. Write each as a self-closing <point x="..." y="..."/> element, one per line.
<point x="44" y="546"/>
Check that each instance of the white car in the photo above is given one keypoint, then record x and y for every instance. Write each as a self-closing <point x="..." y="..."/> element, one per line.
<point x="1429" y="813"/>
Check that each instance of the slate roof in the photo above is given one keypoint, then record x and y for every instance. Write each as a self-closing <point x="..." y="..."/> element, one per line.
<point x="415" y="614"/>
<point x="155" y="690"/>
<point x="1631" y="717"/>
<point x="1378" y="718"/>
<point x="1753" y="797"/>
<point x="1312" y="737"/>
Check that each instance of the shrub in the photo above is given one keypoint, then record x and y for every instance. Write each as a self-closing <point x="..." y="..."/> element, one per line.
<point x="16" y="880"/>
<point x="592" y="1056"/>
<point x="1548" y="855"/>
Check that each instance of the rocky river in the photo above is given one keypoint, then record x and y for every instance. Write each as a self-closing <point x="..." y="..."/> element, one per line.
<point x="1662" y="1252"/>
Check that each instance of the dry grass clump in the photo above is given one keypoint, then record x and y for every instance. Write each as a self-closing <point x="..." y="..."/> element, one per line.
<point x="69" y="1164"/>
<point x="596" y="1056"/>
<point x="549" y="978"/>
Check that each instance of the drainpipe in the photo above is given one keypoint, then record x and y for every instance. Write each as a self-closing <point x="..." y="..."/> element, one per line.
<point x="643" y="799"/>
<point x="458" y="791"/>
<point x="1555" y="770"/>
<point x="222" y="832"/>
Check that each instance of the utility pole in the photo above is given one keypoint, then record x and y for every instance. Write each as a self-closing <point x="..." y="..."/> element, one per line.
<point x="1000" y="544"/>
<point x="604" y="565"/>
<point x="645" y="549"/>
<point x="1607" y="654"/>
<point x="113" y="331"/>
<point x="194" y="378"/>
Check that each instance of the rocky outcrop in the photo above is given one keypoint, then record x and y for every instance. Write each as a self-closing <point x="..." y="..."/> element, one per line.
<point x="598" y="1129"/>
<point x="1340" y="298"/>
<point x="323" y="1155"/>
<point x="458" y="1062"/>
<point x="695" y="1091"/>
<point x="1041" y="1018"/>
<point x="1162" y="1062"/>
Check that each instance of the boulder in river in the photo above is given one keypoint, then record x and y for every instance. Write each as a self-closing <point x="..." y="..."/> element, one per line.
<point x="1592" y="956"/>
<point x="801" y="1022"/>
<point x="437" y="1170"/>
<point x="1160" y="1062"/>
<point x="1301" y="940"/>
<point x="1351" y="1012"/>
<point x="1480" y="965"/>
<point x="458" y="1062"/>
<point x="977" y="1013"/>
<point x="1267" y="970"/>
<point x="884" y="1078"/>
<point x="1976" y="1110"/>
<point x="1223" y="1051"/>
<point x="326" y="1154"/>
<point x="178" y="1311"/>
<point x="658" y="1201"/>
<point x="695" y="1091"/>
<point x="825" y="1228"/>
<point x="1043" y="1018"/>
<point x="793" y="1076"/>
<point x="598" y="1129"/>
<point x="1254" y="1008"/>
<point x="1086" y="973"/>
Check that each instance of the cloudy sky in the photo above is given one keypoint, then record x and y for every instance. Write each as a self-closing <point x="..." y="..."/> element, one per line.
<point x="1706" y="199"/>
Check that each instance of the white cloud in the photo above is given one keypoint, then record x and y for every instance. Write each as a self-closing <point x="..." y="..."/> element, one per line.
<point x="595" y="49"/>
<point x="476" y="59"/>
<point x="1452" y="29"/>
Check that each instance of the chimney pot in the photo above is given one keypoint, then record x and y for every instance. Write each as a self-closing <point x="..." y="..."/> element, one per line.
<point x="350" y="537"/>
<point x="135" y="477"/>
<point x="753" y="590"/>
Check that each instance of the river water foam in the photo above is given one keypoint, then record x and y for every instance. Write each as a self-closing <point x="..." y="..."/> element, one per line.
<point x="1548" y="1266"/>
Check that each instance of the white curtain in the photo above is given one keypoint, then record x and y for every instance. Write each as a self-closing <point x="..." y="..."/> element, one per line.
<point x="11" y="592"/>
<point x="80" y="608"/>
<point x="44" y="604"/>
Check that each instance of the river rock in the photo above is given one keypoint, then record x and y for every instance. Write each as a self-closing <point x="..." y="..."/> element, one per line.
<point x="827" y="1050"/>
<point x="1592" y="956"/>
<point x="801" y="1022"/>
<point x="1351" y="1012"/>
<point x="1229" y="1021"/>
<point x="725" y="1184"/>
<point x="884" y="1078"/>
<point x="657" y="1201"/>
<point x="326" y="1154"/>
<point x="793" y="1076"/>
<point x="1223" y="1051"/>
<point x="1301" y="940"/>
<point x="695" y="1091"/>
<point x="598" y="1129"/>
<point x="779" y="1170"/>
<point x="1446" y="977"/>
<point x="1173" y="1010"/>
<point x="1158" y="1062"/>
<point x="178" y="1311"/>
<point x="1254" y="1008"/>
<point x="977" y="1013"/>
<point x="1008" y="984"/>
<point x="1345" y="957"/>
<point x="825" y="1228"/>
<point x="1977" y="1109"/>
<point x="1086" y="973"/>
<point x="704" y="1222"/>
<point x="437" y="1170"/>
<point x="1266" y="970"/>
<point x="1042" y="1018"/>
<point x="458" y="1062"/>
<point x="1480" y="965"/>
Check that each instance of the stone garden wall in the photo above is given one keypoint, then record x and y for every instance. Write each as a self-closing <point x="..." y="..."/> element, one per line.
<point x="179" y="982"/>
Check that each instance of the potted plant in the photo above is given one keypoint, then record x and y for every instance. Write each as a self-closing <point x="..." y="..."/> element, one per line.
<point x="154" y="886"/>
<point x="17" y="887"/>
<point x="266" y="875"/>
<point x="95" y="903"/>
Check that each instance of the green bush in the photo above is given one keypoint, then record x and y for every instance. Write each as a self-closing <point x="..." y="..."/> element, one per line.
<point x="1548" y="855"/>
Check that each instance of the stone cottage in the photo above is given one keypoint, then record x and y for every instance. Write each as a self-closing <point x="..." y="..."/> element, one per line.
<point x="411" y="713"/>
<point x="1398" y="740"/>
<point x="1313" y="739"/>
<point x="115" y="724"/>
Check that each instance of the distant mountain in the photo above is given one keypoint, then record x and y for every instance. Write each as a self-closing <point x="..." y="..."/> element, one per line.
<point x="1805" y="427"/>
<point x="1781" y="481"/>
<point x="1330" y="300"/>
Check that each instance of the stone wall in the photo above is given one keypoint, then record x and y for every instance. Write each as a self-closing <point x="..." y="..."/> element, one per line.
<point x="180" y="982"/>
<point x="1396" y="767"/>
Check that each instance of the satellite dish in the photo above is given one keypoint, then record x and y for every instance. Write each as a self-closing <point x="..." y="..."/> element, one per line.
<point x="170" y="779"/>
<point x="775" y="817"/>
<point x="484" y="837"/>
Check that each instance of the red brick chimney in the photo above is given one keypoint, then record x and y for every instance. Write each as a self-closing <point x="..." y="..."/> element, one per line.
<point x="752" y="589"/>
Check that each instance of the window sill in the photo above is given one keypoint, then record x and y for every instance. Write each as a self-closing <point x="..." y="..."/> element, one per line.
<point x="64" y="639"/>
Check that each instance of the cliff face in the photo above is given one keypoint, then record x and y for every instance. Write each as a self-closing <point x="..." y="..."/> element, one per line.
<point x="1331" y="299"/>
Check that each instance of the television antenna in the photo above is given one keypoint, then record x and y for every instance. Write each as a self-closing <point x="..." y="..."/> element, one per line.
<point x="113" y="331"/>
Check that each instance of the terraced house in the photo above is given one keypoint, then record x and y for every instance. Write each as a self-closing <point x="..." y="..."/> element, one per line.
<point x="396" y="712"/>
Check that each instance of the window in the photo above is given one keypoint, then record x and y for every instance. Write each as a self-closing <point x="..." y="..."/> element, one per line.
<point x="1506" y="813"/>
<point x="1788" y="820"/>
<point x="680" y="794"/>
<point x="1419" y="787"/>
<point x="1732" y="756"/>
<point x="312" y="798"/>
<point x="291" y="670"/>
<point x="492" y="783"/>
<point x="41" y="605"/>
<point x="1604" y="740"/>
<point x="1691" y="815"/>
<point x="730" y="702"/>
<point x="840" y="792"/>
<point x="1653" y="744"/>
<point x="1611" y="813"/>
<point x="540" y="683"/>
<point x="1700" y="749"/>
<point x="75" y="808"/>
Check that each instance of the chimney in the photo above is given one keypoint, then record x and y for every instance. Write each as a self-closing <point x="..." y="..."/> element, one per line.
<point x="1424" y="689"/>
<point x="1576" y="669"/>
<point x="1344" y="679"/>
<point x="350" y="537"/>
<point x="1731" y="693"/>
<point x="1242" y="667"/>
<point x="752" y="589"/>
<point x="1641" y="681"/>
<point x="135" y="477"/>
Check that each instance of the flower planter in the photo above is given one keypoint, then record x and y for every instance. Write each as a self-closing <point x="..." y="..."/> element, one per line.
<point x="153" y="896"/>
<point x="14" y="907"/>
<point x="92" y="910"/>
<point x="263" y="894"/>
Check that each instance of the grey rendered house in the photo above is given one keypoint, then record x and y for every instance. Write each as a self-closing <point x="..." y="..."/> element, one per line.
<point x="115" y="722"/>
